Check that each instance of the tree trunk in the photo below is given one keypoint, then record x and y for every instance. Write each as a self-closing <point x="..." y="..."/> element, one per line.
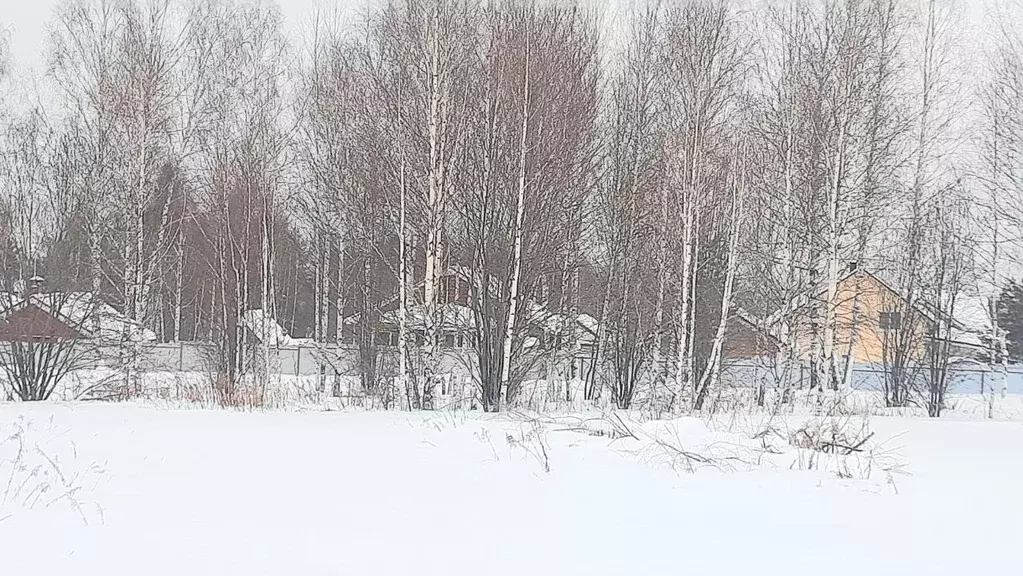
<point x="713" y="370"/>
<point x="403" y="281"/>
<point x="520" y="207"/>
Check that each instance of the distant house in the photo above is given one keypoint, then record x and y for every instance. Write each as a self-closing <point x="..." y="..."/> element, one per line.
<point x="869" y="315"/>
<point x="53" y="316"/>
<point x="28" y="321"/>
<point x="262" y="328"/>
<point x="457" y="320"/>
<point x="747" y="340"/>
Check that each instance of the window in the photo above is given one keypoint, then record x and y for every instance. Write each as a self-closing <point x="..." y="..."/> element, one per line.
<point x="891" y="320"/>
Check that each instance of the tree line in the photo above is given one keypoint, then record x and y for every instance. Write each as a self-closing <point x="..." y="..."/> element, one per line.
<point x="663" y="172"/>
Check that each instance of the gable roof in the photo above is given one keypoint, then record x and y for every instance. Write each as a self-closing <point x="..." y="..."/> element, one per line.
<point x="265" y="327"/>
<point x="83" y="312"/>
<point x="969" y="320"/>
<point x="27" y="322"/>
<point x="819" y="292"/>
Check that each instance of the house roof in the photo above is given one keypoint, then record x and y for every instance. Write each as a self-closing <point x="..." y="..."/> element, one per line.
<point x="817" y="292"/>
<point x="82" y="311"/>
<point x="265" y="327"/>
<point x="458" y="318"/>
<point x="28" y="322"/>
<point x="970" y="317"/>
<point x="452" y="317"/>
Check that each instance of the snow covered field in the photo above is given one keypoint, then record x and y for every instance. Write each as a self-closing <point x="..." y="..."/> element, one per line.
<point x="137" y="490"/>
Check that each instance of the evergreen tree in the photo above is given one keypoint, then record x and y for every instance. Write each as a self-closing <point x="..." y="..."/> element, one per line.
<point x="1010" y="317"/>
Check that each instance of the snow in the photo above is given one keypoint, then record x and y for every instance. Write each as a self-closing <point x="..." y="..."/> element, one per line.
<point x="263" y="326"/>
<point x="171" y="492"/>
<point x="453" y="317"/>
<point x="78" y="307"/>
<point x="589" y="324"/>
<point x="971" y="312"/>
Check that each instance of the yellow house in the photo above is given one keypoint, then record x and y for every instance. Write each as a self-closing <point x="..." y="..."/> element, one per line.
<point x="870" y="318"/>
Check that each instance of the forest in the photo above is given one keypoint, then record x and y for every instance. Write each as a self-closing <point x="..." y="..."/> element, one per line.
<point x="665" y="172"/>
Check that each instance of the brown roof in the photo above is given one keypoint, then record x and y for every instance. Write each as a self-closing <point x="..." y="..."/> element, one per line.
<point x="27" y="322"/>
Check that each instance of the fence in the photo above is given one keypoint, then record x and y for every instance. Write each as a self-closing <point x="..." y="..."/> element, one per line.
<point x="198" y="356"/>
<point x="962" y="380"/>
<point x="315" y="360"/>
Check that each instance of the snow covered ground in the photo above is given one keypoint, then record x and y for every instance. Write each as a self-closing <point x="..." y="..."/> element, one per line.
<point x="138" y="490"/>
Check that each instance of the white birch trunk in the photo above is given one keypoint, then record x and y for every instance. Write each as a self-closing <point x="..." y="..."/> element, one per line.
<point x="324" y="259"/>
<point x="179" y="282"/>
<point x="268" y="301"/>
<point x="318" y="297"/>
<point x="682" y="372"/>
<point x="520" y="207"/>
<point x="403" y="281"/>
<point x="786" y="353"/>
<point x="713" y="371"/>
<point x="435" y="217"/>
<point x="339" y="301"/>
<point x="96" y="254"/>
<point x="834" y="229"/>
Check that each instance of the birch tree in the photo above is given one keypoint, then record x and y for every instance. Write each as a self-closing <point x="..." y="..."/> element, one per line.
<point x="633" y="203"/>
<point x="426" y="47"/>
<point x="949" y="271"/>
<point x="26" y="218"/>
<point x="240" y="180"/>
<point x="83" y="44"/>
<point x="704" y="61"/>
<point x="932" y="179"/>
<point x="343" y="194"/>
<point x="738" y="193"/>
<point x="531" y="156"/>
<point x="779" y="239"/>
<point x="1001" y="150"/>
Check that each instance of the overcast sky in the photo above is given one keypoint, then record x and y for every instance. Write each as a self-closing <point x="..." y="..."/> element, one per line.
<point x="26" y="21"/>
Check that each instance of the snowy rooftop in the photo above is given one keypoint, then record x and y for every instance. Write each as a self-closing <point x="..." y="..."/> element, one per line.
<point x="971" y="312"/>
<point x="82" y="310"/>
<point x="458" y="318"/>
<point x="265" y="327"/>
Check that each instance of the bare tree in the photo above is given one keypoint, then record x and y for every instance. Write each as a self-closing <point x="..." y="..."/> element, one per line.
<point x="704" y="60"/>
<point x="1001" y="145"/>
<point x="43" y="339"/>
<point x="425" y="48"/>
<point x="949" y="272"/>
<point x="26" y="177"/>
<point x="240" y="179"/>
<point x="465" y="178"/>
<point x="632" y="200"/>
<point x="82" y="61"/>
<point x="530" y="156"/>
<point x="933" y="179"/>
